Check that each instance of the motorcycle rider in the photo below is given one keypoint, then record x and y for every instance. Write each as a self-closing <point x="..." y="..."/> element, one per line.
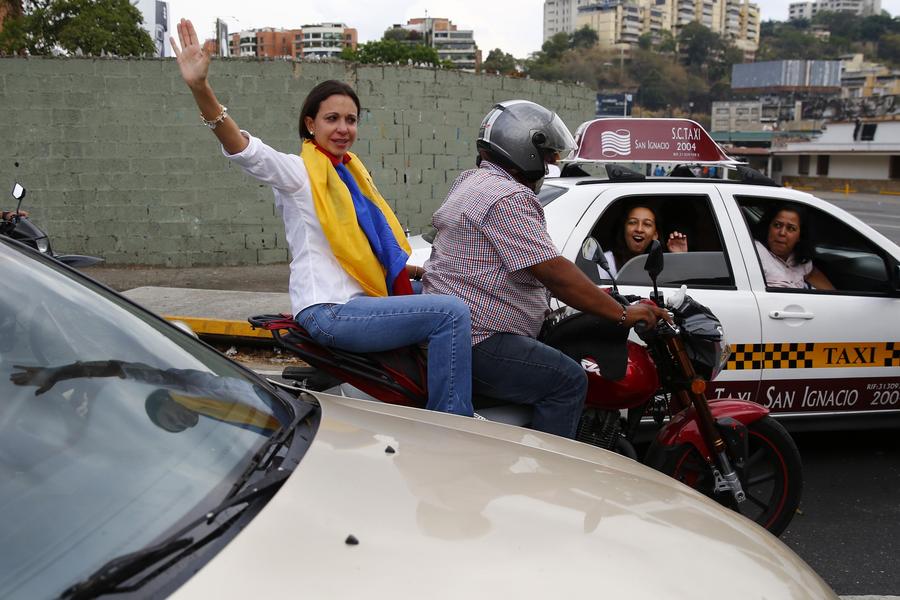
<point x="493" y="250"/>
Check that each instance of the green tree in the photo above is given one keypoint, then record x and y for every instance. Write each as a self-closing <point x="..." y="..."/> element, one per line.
<point x="788" y="43"/>
<point x="500" y="62"/>
<point x="645" y="42"/>
<point x="889" y="48"/>
<point x="391" y="51"/>
<point x="667" y="42"/>
<point x="583" y="38"/>
<point x="554" y="47"/>
<point x="93" y="27"/>
<point x="698" y="44"/>
<point x="400" y="34"/>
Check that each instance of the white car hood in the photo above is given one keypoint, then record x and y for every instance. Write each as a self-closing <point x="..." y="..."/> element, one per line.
<point x="451" y="507"/>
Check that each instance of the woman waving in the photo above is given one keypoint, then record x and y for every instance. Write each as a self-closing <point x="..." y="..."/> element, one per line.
<point x="349" y="283"/>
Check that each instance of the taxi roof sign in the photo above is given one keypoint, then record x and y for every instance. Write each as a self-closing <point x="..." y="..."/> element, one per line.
<point x="647" y="140"/>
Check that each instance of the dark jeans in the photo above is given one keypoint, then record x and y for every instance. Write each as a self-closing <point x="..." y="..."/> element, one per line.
<point x="522" y="370"/>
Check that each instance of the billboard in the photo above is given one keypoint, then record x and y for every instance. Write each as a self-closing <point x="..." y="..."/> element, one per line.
<point x="155" y="14"/>
<point x="787" y="75"/>
<point x="614" y="105"/>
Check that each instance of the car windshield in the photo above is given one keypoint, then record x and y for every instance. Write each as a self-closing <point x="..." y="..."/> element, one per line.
<point x="114" y="426"/>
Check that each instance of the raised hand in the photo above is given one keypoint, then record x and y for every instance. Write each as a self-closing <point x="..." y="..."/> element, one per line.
<point x="677" y="242"/>
<point x="193" y="60"/>
<point x="42" y="377"/>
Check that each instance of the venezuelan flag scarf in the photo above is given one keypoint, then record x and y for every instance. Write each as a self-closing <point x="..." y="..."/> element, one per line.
<point x="360" y="227"/>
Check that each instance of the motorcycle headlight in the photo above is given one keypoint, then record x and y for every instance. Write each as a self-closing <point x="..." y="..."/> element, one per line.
<point x="723" y="352"/>
<point x="43" y="245"/>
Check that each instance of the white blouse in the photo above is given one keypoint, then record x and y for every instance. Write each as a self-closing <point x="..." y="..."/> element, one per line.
<point x="316" y="275"/>
<point x="782" y="273"/>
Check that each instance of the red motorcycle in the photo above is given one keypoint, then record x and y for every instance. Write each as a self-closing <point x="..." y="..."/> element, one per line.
<point x="729" y="449"/>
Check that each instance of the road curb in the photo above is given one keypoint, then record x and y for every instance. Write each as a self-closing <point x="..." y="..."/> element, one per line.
<point x="235" y="331"/>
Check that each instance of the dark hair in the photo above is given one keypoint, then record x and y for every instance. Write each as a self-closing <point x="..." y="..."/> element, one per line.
<point x="320" y="93"/>
<point x="620" y="248"/>
<point x="803" y="250"/>
<point x="160" y="401"/>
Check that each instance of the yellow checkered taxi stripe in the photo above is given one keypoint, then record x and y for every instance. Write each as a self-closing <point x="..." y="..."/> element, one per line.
<point x="824" y="355"/>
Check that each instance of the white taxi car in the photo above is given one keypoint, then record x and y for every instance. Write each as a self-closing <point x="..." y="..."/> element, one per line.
<point x="808" y="355"/>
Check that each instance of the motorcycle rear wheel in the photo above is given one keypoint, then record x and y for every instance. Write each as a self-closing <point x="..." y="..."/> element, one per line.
<point x="772" y="476"/>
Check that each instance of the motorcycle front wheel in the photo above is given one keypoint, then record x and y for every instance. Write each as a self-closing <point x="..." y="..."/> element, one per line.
<point x="772" y="476"/>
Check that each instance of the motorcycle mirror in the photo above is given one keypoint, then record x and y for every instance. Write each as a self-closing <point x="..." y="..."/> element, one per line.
<point x="18" y="192"/>
<point x="654" y="266"/>
<point x="591" y="250"/>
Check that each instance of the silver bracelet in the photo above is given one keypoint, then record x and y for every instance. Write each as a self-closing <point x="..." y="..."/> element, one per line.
<point x="621" y="320"/>
<point x="215" y="122"/>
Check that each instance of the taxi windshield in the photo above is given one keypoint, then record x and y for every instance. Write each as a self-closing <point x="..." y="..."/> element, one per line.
<point x="114" y="426"/>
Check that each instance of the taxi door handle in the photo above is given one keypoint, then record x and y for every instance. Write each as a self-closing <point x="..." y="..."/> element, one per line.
<point x="787" y="314"/>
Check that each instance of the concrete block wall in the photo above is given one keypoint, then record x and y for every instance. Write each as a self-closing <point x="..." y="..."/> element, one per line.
<point x="118" y="164"/>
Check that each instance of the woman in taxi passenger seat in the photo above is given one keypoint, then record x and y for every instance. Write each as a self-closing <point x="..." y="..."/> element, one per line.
<point x="782" y="242"/>
<point x="638" y="228"/>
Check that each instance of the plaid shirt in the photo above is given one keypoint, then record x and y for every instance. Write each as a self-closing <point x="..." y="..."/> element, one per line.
<point x="490" y="230"/>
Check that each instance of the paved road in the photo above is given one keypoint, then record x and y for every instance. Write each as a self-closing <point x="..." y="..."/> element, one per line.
<point x="849" y="526"/>
<point x="881" y="212"/>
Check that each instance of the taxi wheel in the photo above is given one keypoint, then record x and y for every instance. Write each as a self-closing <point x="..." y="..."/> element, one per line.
<point x="772" y="477"/>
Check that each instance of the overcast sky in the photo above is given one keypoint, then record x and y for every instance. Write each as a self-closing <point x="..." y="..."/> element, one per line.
<point x="515" y="26"/>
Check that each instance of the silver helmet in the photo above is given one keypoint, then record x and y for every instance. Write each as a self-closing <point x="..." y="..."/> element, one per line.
<point x="525" y="136"/>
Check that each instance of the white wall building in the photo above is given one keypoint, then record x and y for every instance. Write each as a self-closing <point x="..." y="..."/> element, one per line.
<point x="326" y="40"/>
<point x="866" y="151"/>
<point x="807" y="10"/>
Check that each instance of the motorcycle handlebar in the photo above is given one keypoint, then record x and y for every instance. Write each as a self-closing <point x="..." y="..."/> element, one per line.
<point x="641" y="327"/>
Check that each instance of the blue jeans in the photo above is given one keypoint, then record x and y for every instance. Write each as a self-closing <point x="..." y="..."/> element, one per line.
<point x="370" y="324"/>
<point x="522" y="370"/>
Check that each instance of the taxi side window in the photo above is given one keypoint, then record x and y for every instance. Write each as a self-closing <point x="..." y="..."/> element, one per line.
<point x="704" y="264"/>
<point x="851" y="262"/>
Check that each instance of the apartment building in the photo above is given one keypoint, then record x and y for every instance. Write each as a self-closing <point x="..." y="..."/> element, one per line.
<point x="267" y="42"/>
<point x="863" y="79"/>
<point x="452" y="44"/>
<point x="561" y="15"/>
<point x="807" y="10"/>
<point x="620" y="23"/>
<point x="323" y="40"/>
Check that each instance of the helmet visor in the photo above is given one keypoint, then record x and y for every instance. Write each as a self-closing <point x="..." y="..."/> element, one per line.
<point x="556" y="143"/>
